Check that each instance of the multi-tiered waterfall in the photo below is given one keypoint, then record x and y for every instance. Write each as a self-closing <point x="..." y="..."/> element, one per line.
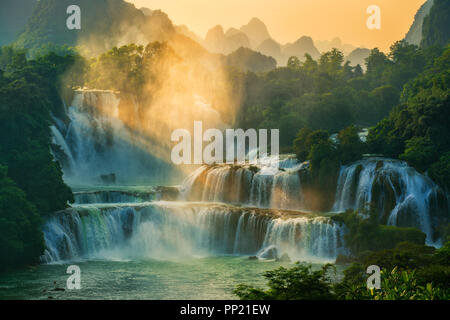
<point x="401" y="195"/>
<point x="224" y="209"/>
<point x="107" y="221"/>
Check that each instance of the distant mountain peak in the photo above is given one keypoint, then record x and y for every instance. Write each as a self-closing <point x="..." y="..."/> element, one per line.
<point x="256" y="21"/>
<point x="232" y="31"/>
<point x="218" y="29"/>
<point x="299" y="48"/>
<point x="256" y="31"/>
<point x="305" y="40"/>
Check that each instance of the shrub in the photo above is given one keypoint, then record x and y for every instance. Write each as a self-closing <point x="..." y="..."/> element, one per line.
<point x="296" y="283"/>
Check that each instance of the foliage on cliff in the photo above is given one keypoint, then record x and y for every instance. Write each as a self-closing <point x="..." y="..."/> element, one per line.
<point x="436" y="26"/>
<point x="365" y="233"/>
<point x="418" y="130"/>
<point x="21" y="240"/>
<point x="32" y="182"/>
<point x="329" y="94"/>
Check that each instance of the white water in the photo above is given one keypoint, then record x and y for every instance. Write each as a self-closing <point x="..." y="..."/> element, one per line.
<point x="164" y="230"/>
<point x="96" y="142"/>
<point x="114" y="224"/>
<point x="415" y="195"/>
<point x="403" y="196"/>
<point x="242" y="185"/>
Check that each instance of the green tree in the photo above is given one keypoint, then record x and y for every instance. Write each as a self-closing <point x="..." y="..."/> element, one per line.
<point x="440" y="170"/>
<point x="419" y="152"/>
<point x="297" y="283"/>
<point x="436" y="26"/>
<point x="21" y="240"/>
<point x="350" y="145"/>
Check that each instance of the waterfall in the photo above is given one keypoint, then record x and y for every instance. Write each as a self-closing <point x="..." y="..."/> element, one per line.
<point x="177" y="229"/>
<point x="88" y="197"/>
<point x="402" y="196"/>
<point x="302" y="237"/>
<point x="248" y="185"/>
<point x="99" y="148"/>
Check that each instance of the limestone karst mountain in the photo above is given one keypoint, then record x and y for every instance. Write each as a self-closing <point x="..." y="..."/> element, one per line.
<point x="131" y="25"/>
<point x="325" y="45"/>
<point x="256" y="36"/>
<point x="184" y="30"/>
<point x="358" y="56"/>
<point x="256" y="31"/>
<point x="246" y="59"/>
<point x="414" y="35"/>
<point x="304" y="45"/>
<point x="270" y="47"/>
<point x="436" y="25"/>
<point x="217" y="41"/>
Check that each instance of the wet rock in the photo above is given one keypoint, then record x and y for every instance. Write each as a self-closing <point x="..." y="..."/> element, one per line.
<point x="379" y="165"/>
<point x="384" y="190"/>
<point x="168" y="193"/>
<point x="270" y="253"/>
<point x="59" y="289"/>
<point x="284" y="258"/>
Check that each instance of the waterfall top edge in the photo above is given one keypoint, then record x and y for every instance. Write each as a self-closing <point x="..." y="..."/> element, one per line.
<point x="269" y="212"/>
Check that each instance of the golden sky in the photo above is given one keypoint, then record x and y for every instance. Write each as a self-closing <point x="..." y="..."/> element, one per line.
<point x="288" y="20"/>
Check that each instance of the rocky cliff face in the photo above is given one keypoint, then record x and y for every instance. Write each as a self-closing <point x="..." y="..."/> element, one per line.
<point x="414" y="35"/>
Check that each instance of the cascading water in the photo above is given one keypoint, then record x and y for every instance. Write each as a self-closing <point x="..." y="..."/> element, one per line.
<point x="135" y="224"/>
<point x="114" y="223"/>
<point x="403" y="196"/>
<point x="97" y="147"/>
<point x="248" y="185"/>
<point x="175" y="229"/>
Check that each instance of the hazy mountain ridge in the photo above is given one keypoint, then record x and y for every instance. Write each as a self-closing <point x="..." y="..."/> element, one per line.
<point x="141" y="26"/>
<point x="325" y="45"/>
<point x="47" y="24"/>
<point x="217" y="41"/>
<point x="358" y="56"/>
<point x="260" y="40"/>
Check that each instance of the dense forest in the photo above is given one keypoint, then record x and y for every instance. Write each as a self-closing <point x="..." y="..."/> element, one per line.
<point x="31" y="181"/>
